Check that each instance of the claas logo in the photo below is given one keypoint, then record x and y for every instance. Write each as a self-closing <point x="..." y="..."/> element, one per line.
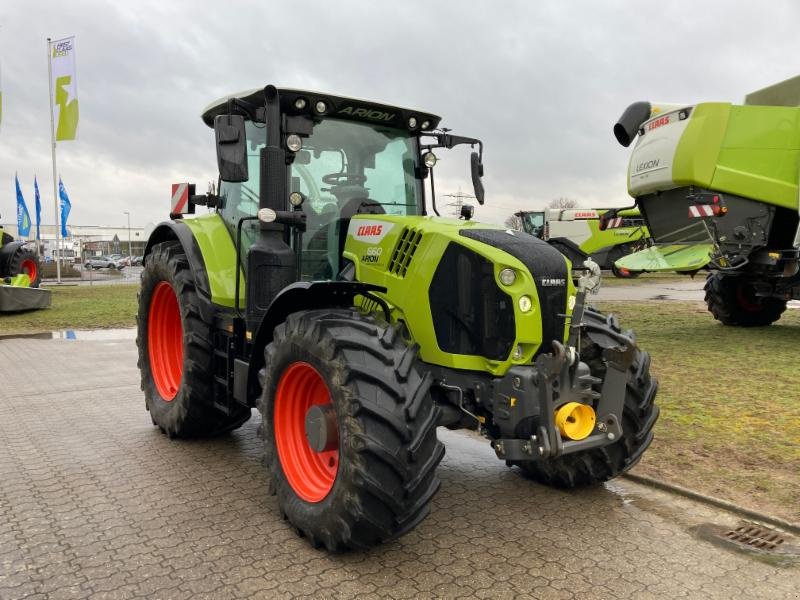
<point x="369" y="230"/>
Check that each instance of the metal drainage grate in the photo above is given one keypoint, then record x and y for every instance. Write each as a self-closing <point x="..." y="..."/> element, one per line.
<point x="755" y="536"/>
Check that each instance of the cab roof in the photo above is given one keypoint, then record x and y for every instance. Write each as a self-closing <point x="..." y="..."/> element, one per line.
<point x="306" y="102"/>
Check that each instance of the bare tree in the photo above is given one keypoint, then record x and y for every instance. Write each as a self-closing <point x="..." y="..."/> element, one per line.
<point x="563" y="202"/>
<point x="513" y="222"/>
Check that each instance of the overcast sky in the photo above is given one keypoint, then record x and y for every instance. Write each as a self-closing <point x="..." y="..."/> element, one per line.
<point x="540" y="82"/>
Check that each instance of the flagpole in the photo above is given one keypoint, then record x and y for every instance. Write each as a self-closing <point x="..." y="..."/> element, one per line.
<point x="53" y="141"/>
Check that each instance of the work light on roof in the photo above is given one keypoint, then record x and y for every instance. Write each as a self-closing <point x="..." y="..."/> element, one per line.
<point x="412" y="122"/>
<point x="425" y="124"/>
<point x="300" y="103"/>
<point x="320" y="107"/>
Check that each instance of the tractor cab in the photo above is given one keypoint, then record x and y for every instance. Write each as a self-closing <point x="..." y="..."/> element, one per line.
<point x="317" y="160"/>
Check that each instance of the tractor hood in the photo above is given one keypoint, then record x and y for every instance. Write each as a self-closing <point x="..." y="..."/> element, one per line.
<point x="443" y="280"/>
<point x="674" y="257"/>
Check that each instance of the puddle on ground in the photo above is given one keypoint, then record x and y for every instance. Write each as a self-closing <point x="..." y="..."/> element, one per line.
<point x="128" y="333"/>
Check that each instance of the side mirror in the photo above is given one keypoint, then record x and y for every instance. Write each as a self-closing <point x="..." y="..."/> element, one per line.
<point x="477" y="172"/>
<point x="231" y="148"/>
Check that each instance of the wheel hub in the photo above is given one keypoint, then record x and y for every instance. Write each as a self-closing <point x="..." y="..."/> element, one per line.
<point x="321" y="430"/>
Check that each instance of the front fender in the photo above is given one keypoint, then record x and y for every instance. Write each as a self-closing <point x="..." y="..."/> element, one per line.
<point x="300" y="296"/>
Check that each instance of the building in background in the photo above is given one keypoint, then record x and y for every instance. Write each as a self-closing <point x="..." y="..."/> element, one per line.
<point x="89" y="240"/>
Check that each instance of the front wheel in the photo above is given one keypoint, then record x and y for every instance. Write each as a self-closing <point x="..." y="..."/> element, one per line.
<point x="349" y="429"/>
<point x="175" y="351"/>
<point x="732" y="300"/>
<point x="640" y="413"/>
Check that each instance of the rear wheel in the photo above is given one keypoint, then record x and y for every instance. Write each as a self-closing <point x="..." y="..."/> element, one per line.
<point x="733" y="301"/>
<point x="175" y="352"/>
<point x="25" y="261"/>
<point x="349" y="429"/>
<point x="639" y="416"/>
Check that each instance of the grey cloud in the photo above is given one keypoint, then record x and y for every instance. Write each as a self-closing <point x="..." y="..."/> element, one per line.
<point x="540" y="82"/>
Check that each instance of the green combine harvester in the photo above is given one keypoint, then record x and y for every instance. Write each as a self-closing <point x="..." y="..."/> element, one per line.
<point x="320" y="290"/>
<point x="576" y="233"/>
<point x="718" y="186"/>
<point x="20" y="276"/>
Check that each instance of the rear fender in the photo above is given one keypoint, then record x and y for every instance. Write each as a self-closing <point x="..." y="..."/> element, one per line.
<point x="176" y="231"/>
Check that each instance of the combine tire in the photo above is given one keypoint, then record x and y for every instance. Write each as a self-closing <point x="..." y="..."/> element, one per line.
<point x="624" y="273"/>
<point x="25" y="261"/>
<point x="640" y="414"/>
<point x="732" y="301"/>
<point x="175" y="352"/>
<point x="349" y="429"/>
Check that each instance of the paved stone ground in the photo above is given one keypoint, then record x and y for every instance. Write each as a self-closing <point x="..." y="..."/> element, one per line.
<point x="95" y="502"/>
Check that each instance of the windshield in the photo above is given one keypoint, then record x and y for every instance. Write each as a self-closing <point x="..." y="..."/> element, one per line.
<point x="533" y="223"/>
<point x="347" y="168"/>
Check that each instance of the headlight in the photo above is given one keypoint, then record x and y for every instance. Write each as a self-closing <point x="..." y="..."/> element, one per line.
<point x="517" y="353"/>
<point x="525" y="303"/>
<point x="293" y="142"/>
<point x="296" y="199"/>
<point x="429" y="159"/>
<point x="508" y="276"/>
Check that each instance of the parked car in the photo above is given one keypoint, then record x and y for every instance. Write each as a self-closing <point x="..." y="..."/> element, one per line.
<point x="136" y="261"/>
<point x="120" y="260"/>
<point x="103" y="262"/>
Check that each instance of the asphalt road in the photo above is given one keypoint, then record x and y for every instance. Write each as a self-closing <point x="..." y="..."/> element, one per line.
<point x="95" y="502"/>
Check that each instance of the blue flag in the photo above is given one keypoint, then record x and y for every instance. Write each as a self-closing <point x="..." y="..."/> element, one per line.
<point x="38" y="207"/>
<point x="23" y="218"/>
<point x="66" y="206"/>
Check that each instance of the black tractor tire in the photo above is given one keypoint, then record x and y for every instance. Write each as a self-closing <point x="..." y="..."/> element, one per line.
<point x="25" y="261"/>
<point x="640" y="413"/>
<point x="732" y="301"/>
<point x="175" y="351"/>
<point x="384" y="419"/>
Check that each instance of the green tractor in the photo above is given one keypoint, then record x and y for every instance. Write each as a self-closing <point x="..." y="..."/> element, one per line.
<point x="319" y="290"/>
<point x="20" y="276"/>
<point x="718" y="186"/>
<point x="576" y="233"/>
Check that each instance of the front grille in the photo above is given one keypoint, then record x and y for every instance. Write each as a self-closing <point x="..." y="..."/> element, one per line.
<point x="471" y="314"/>
<point x="404" y="251"/>
<point x="549" y="271"/>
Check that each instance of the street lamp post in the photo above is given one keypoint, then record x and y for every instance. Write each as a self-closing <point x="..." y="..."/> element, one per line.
<point x="130" y="254"/>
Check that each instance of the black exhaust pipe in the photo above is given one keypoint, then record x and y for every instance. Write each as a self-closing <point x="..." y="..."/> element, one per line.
<point x="631" y="120"/>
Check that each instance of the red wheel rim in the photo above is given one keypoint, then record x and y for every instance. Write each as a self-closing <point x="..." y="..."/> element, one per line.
<point x="165" y="340"/>
<point x="310" y="473"/>
<point x="28" y="266"/>
<point x="744" y="299"/>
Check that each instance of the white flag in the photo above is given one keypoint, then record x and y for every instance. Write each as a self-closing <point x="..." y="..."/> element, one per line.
<point x="65" y="88"/>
